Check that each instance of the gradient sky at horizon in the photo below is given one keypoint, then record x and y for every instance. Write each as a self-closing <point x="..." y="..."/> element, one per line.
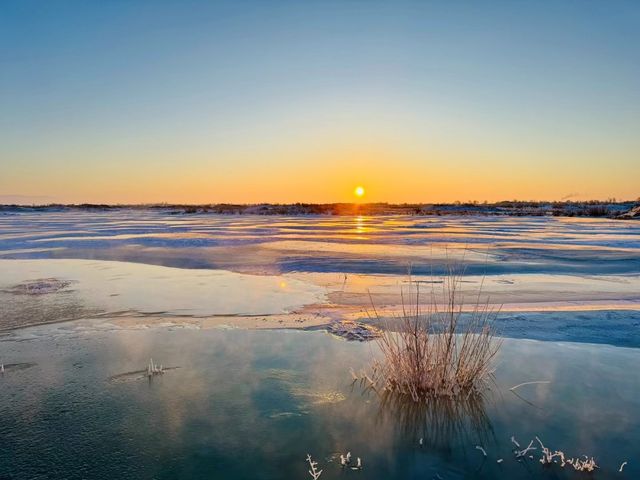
<point x="283" y="101"/>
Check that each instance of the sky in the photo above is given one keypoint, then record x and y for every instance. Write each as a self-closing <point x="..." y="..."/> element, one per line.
<point x="301" y="101"/>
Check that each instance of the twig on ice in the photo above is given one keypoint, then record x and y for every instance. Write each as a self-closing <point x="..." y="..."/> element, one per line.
<point x="315" y="474"/>
<point x="529" y="383"/>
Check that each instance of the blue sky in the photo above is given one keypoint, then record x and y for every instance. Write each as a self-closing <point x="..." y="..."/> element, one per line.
<point x="145" y="101"/>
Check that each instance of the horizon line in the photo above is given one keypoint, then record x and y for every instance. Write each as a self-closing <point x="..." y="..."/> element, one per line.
<point x="252" y="204"/>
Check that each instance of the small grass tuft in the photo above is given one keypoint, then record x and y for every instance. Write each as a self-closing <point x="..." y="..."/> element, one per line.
<point x="445" y="351"/>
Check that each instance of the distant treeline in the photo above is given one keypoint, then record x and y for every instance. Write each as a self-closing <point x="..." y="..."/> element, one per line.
<point x="593" y="208"/>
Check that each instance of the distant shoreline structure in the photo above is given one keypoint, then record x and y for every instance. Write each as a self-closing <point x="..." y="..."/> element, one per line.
<point x="591" y="209"/>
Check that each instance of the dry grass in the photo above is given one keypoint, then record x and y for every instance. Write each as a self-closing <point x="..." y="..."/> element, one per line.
<point x="438" y="352"/>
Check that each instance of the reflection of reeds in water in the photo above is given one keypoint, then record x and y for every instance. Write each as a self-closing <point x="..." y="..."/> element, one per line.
<point x="438" y="422"/>
<point x="434" y="353"/>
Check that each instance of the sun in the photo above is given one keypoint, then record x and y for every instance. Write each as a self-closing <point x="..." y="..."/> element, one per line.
<point x="359" y="191"/>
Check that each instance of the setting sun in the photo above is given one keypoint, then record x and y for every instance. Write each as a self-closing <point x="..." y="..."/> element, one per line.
<point x="359" y="191"/>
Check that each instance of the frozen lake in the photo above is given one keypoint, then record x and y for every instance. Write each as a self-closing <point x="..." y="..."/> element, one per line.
<point x="87" y="298"/>
<point x="368" y="245"/>
<point x="153" y="262"/>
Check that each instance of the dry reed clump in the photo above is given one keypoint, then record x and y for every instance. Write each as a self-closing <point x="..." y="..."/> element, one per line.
<point x="445" y="351"/>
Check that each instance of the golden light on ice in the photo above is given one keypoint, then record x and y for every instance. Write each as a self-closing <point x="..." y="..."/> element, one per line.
<point x="359" y="191"/>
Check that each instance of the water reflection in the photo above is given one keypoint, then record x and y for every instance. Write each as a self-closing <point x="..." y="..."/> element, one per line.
<point x="360" y="223"/>
<point x="440" y="422"/>
<point x="252" y="404"/>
